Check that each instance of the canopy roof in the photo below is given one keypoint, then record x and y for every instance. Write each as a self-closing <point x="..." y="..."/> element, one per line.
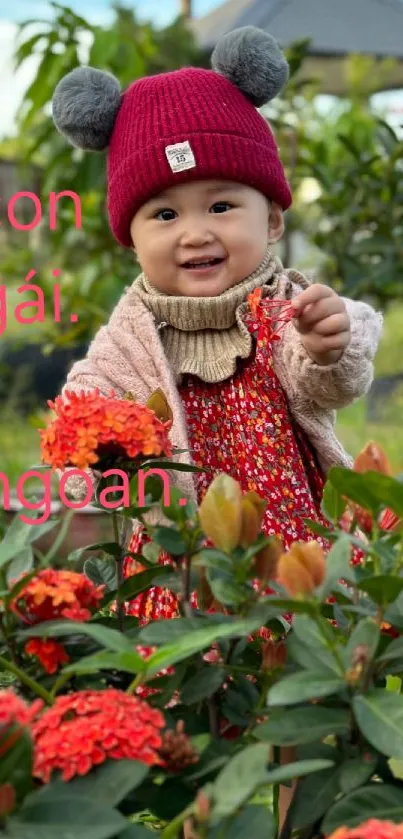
<point x="336" y="29"/>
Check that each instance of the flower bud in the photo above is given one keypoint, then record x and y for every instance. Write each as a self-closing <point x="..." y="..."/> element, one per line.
<point x="266" y="561"/>
<point x="220" y="512"/>
<point x="274" y="655"/>
<point x="302" y="569"/>
<point x="7" y="799"/>
<point x="202" y="807"/>
<point x="252" y="510"/>
<point x="372" y="459"/>
<point x="159" y="404"/>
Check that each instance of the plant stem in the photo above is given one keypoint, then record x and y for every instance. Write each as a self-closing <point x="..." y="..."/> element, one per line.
<point x="213" y="718"/>
<point x="135" y="683"/>
<point x="8" y="642"/>
<point x="120" y="538"/>
<point x="185" y="587"/>
<point x="26" y="680"/>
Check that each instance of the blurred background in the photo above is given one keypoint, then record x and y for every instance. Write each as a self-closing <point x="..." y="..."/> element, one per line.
<point x="339" y="128"/>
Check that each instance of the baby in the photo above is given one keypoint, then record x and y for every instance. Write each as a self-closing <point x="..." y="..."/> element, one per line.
<point x="197" y="189"/>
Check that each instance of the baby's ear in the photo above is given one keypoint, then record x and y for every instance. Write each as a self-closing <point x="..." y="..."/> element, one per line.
<point x="276" y="223"/>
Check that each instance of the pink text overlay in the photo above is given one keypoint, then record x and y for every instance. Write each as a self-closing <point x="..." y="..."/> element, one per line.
<point x="45" y="502"/>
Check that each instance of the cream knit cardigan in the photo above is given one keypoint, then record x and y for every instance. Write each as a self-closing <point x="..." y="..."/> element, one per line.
<point x="127" y="355"/>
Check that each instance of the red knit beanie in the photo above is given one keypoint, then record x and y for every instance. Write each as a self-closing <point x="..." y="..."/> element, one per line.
<point x="181" y="126"/>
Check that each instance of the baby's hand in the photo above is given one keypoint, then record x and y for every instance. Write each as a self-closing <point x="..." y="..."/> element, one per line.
<point x="321" y="318"/>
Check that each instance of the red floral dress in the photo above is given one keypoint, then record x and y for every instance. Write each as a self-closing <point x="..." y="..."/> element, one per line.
<point x="243" y="426"/>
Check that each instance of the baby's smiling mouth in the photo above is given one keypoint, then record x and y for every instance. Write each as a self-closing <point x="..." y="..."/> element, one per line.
<point x="202" y="264"/>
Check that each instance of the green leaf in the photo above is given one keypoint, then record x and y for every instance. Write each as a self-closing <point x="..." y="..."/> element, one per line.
<point x="313" y="797"/>
<point x="255" y="821"/>
<point x="163" y="631"/>
<point x="303" y="725"/>
<point x="202" y="638"/>
<point x="246" y="771"/>
<point x="375" y="801"/>
<point x="67" y="817"/>
<point x="226" y="590"/>
<point x="19" y="536"/>
<point x="357" y="771"/>
<point x="308" y="635"/>
<point x="333" y="504"/>
<point x="109" y="783"/>
<point x="102" y="572"/>
<point x="136" y="831"/>
<point x="382" y="589"/>
<point x="203" y="684"/>
<point x="356" y="487"/>
<point x="21" y="564"/>
<point x="16" y="765"/>
<point x="137" y="583"/>
<point x="126" y="662"/>
<point x="338" y="565"/>
<point x="169" y="539"/>
<point x="387" y="490"/>
<point x="312" y="684"/>
<point x="393" y="651"/>
<point x="105" y="637"/>
<point x="366" y="634"/>
<point x="379" y="715"/>
<point x="297" y="770"/>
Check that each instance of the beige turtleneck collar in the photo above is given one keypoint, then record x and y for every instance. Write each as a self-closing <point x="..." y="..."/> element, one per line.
<point x="205" y="335"/>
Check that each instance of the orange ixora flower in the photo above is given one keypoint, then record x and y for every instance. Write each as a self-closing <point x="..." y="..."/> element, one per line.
<point x="83" y="729"/>
<point x="50" y="654"/>
<point x="372" y="829"/>
<point x="15" y="716"/>
<point x="90" y="426"/>
<point x="51" y="595"/>
<point x="54" y="594"/>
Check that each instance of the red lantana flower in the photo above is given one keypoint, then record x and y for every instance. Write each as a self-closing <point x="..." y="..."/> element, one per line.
<point x="15" y="716"/>
<point x="90" y="426"/>
<point x="86" y="728"/>
<point x="372" y="829"/>
<point x="50" y="654"/>
<point x="54" y="594"/>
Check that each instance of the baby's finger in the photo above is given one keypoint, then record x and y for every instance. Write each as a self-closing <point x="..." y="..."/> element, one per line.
<point x="313" y="294"/>
<point x="318" y="311"/>
<point x="333" y="324"/>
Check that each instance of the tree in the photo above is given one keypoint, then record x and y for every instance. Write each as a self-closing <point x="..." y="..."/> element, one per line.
<point x="94" y="268"/>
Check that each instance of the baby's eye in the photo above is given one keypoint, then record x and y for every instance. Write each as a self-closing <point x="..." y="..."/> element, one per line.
<point x="165" y="215"/>
<point x="221" y="207"/>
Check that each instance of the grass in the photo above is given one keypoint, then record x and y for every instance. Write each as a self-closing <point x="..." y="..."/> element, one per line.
<point x="354" y="430"/>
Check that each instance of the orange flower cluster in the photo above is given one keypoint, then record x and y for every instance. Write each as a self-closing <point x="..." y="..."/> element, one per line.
<point x="372" y="829"/>
<point x="15" y="715"/>
<point x="90" y="426"/>
<point x="53" y="594"/>
<point x="50" y="654"/>
<point x="83" y="729"/>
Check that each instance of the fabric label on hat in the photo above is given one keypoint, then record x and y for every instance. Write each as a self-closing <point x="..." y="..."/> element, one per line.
<point x="180" y="156"/>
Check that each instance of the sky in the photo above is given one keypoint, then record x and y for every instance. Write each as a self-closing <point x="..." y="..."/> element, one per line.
<point x="13" y="85"/>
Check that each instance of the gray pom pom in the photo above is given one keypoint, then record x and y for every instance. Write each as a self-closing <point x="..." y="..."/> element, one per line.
<point x="252" y="60"/>
<point x="84" y="105"/>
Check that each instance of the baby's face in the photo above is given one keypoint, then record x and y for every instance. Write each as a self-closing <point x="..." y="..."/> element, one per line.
<point x="201" y="238"/>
